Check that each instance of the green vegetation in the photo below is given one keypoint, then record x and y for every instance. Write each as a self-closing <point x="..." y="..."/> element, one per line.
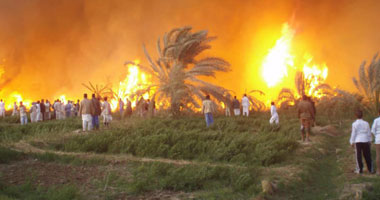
<point x="30" y="192"/>
<point x="7" y="155"/>
<point x="245" y="141"/>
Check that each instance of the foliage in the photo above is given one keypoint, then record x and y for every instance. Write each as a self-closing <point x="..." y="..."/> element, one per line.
<point x="7" y="155"/>
<point x="177" y="72"/>
<point x="369" y="84"/>
<point x="28" y="191"/>
<point x="240" y="140"/>
<point x="99" y="90"/>
<point x="303" y="87"/>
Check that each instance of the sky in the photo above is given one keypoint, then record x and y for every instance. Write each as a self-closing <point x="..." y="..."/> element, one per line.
<point x="51" y="47"/>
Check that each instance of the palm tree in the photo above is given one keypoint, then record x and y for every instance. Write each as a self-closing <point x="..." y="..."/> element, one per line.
<point x="369" y="84"/>
<point x="99" y="90"/>
<point x="176" y="74"/>
<point x="256" y="103"/>
<point x="303" y="87"/>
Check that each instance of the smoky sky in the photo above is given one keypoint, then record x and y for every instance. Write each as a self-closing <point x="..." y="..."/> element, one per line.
<point x="50" y="47"/>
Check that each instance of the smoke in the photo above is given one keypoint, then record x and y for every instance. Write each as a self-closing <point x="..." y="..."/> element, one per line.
<point x="51" y="47"/>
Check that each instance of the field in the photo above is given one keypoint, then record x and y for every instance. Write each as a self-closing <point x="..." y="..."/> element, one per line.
<point x="166" y="158"/>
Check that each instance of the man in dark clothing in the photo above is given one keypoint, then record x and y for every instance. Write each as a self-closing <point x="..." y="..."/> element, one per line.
<point x="305" y="114"/>
<point x="42" y="107"/>
<point x="236" y="106"/>
<point x="95" y="117"/>
<point x="129" y="108"/>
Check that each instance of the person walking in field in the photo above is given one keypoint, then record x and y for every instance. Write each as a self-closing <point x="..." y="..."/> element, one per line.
<point x="207" y="110"/>
<point x="2" y="108"/>
<point x="274" y="114"/>
<point x="23" y="115"/>
<point x="86" y="111"/>
<point x="361" y="141"/>
<point x="106" y="113"/>
<point x="98" y="111"/>
<point x="236" y="106"/>
<point x="15" y="109"/>
<point x="245" y="104"/>
<point x="305" y="114"/>
<point x="376" y="132"/>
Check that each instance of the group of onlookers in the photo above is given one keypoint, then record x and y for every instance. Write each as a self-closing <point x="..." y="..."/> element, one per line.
<point x="90" y="110"/>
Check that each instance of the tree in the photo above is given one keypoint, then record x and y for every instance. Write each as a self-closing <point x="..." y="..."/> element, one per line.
<point x="176" y="74"/>
<point x="304" y="86"/>
<point x="99" y="90"/>
<point x="369" y="84"/>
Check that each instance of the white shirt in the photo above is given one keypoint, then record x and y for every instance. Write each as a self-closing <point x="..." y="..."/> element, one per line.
<point x="2" y="106"/>
<point x="273" y="110"/>
<point x="245" y="101"/>
<point x="376" y="130"/>
<point x="360" y="132"/>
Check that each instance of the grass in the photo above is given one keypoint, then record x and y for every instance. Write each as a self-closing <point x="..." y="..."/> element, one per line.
<point x="246" y="141"/>
<point x="7" y="155"/>
<point x="30" y="192"/>
<point x="13" y="132"/>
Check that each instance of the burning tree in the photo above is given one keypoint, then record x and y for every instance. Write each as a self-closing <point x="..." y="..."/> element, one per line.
<point x="306" y="84"/>
<point x="176" y="74"/>
<point x="369" y="84"/>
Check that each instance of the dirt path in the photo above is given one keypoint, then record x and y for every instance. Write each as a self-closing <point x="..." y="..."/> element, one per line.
<point x="25" y="147"/>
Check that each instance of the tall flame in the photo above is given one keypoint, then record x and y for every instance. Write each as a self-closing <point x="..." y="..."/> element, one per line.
<point x="280" y="62"/>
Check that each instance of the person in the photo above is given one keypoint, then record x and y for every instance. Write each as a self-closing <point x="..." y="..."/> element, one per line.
<point x="274" y="115"/>
<point x="86" y="110"/>
<point x="2" y="108"/>
<point x="245" y="105"/>
<point x="146" y="107"/>
<point x="38" y="110"/>
<point x="121" y="108"/>
<point x="129" y="108"/>
<point x="68" y="108"/>
<point x="140" y="106"/>
<point x="47" y="110"/>
<point x="305" y="114"/>
<point x="314" y="111"/>
<point x="33" y="113"/>
<point x="207" y="110"/>
<point x="62" y="110"/>
<point x="106" y="107"/>
<point x="153" y="106"/>
<point x="77" y="108"/>
<point x="97" y="111"/>
<point x="236" y="106"/>
<point x="57" y="109"/>
<point x="23" y="116"/>
<point x="43" y="110"/>
<point x="15" y="109"/>
<point x="376" y="132"/>
<point x="360" y="140"/>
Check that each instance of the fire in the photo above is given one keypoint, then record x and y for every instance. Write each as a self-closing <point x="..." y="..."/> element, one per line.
<point x="279" y="58"/>
<point x="16" y="97"/>
<point x="280" y="64"/>
<point x="134" y="81"/>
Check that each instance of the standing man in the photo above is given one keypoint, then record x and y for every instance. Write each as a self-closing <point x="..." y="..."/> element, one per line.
<point x="97" y="112"/>
<point x="23" y="116"/>
<point x="305" y="114"/>
<point x="2" y="108"/>
<point x="33" y="113"/>
<point x="39" y="114"/>
<point x="207" y="110"/>
<point x="376" y="132"/>
<point x="129" y="108"/>
<point x="361" y="140"/>
<point x="68" y="108"/>
<point x="236" y="106"/>
<point x="86" y="111"/>
<point x="43" y="110"/>
<point x="47" y="110"/>
<point x="57" y="109"/>
<point x="15" y="109"/>
<point x="245" y="104"/>
<point x="107" y="117"/>
<point x="121" y="108"/>
<point x="274" y="114"/>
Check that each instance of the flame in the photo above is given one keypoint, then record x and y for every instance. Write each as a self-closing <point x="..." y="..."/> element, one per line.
<point x="16" y="97"/>
<point x="280" y="62"/>
<point x="134" y="81"/>
<point x="279" y="58"/>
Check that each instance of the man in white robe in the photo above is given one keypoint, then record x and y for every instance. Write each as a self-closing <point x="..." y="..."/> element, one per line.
<point x="245" y="104"/>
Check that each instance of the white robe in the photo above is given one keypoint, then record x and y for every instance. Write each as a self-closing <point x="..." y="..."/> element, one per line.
<point x="245" y="105"/>
<point x="274" y="118"/>
<point x="106" y="113"/>
<point x="2" y="109"/>
<point x="15" y="110"/>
